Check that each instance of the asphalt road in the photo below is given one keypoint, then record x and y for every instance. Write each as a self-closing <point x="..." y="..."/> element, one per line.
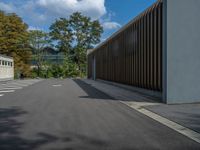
<point x="71" y="115"/>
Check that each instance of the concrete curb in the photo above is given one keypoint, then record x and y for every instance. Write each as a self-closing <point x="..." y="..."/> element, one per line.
<point x="172" y="125"/>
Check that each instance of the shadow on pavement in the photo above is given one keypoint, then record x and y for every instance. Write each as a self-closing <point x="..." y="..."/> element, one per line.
<point x="10" y="135"/>
<point x="10" y="138"/>
<point x="92" y="92"/>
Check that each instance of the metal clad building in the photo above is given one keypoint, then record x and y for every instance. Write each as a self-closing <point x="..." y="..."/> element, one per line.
<point x="6" y="68"/>
<point x="152" y="51"/>
<point x="134" y="55"/>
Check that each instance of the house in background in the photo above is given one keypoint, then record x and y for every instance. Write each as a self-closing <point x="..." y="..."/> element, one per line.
<point x="49" y="56"/>
<point x="6" y="68"/>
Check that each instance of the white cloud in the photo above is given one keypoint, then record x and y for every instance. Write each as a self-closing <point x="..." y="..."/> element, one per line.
<point x="93" y="8"/>
<point x="6" y="7"/>
<point x="43" y="12"/>
<point x="31" y="28"/>
<point x="111" y="25"/>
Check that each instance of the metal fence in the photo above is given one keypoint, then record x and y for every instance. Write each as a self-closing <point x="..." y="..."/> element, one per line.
<point x="133" y="55"/>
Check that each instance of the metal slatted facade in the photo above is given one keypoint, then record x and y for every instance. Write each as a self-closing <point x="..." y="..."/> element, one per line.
<point x="133" y="55"/>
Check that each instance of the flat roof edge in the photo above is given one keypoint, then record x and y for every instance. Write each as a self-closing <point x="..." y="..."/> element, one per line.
<point x="1" y="55"/>
<point x="123" y="28"/>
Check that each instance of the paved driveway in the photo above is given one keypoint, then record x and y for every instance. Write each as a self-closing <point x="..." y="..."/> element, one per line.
<point x="71" y="115"/>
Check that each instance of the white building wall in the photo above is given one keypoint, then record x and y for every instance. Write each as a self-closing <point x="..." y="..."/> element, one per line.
<point x="181" y="51"/>
<point x="6" y="68"/>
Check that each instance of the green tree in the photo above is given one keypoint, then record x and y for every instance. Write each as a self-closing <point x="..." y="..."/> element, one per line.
<point x="86" y="34"/>
<point x="62" y="35"/>
<point x="38" y="40"/>
<point x="75" y="35"/>
<point x="14" y="41"/>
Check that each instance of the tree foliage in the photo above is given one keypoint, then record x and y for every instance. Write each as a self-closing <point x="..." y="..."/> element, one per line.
<point x="38" y="40"/>
<point x="14" y="41"/>
<point x="75" y="36"/>
<point x="61" y="34"/>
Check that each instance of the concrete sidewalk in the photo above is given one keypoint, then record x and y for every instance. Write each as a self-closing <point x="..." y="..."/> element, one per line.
<point x="184" y="119"/>
<point x="123" y="94"/>
<point x="187" y="115"/>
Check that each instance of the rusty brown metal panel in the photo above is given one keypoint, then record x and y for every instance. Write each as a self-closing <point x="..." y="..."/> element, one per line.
<point x="98" y="64"/>
<point x="139" y="53"/>
<point x="131" y="55"/>
<point x="104" y="63"/>
<point x="136" y="52"/>
<point x="129" y="60"/>
<point x="96" y="61"/>
<point x="145" y="51"/>
<point x="134" y="55"/>
<point x="119" y="59"/>
<point x="124" y="74"/>
<point x="151" y="51"/>
<point x="112" y="62"/>
<point x="126" y="45"/>
<point x="120" y="63"/>
<point x="109" y="63"/>
<point x="148" y="52"/>
<point x="125" y="80"/>
<point x="136" y="49"/>
<point x="140" y="58"/>
<point x="118" y="66"/>
<point x="120" y="69"/>
<point x="155" y="51"/>
<point x="142" y="53"/>
<point x="159" y="47"/>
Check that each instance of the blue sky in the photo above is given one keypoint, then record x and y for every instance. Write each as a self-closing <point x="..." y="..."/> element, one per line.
<point x="113" y="14"/>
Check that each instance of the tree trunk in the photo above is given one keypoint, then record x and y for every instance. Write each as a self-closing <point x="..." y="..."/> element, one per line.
<point x="38" y="70"/>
